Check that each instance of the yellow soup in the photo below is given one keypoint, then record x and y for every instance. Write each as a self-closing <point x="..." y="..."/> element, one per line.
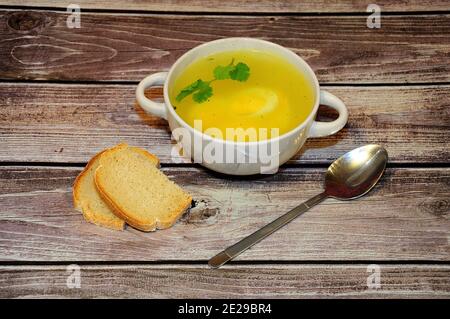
<point x="263" y="92"/>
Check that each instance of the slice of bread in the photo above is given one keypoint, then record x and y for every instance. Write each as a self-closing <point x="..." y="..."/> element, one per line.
<point x="139" y="193"/>
<point x="87" y="199"/>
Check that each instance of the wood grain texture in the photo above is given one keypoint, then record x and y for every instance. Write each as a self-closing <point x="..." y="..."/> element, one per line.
<point x="231" y="281"/>
<point x="270" y="6"/>
<point x="406" y="217"/>
<point x="71" y="123"/>
<point x="126" y="47"/>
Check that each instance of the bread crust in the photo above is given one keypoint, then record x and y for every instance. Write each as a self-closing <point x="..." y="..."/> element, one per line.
<point x="150" y="156"/>
<point x="122" y="213"/>
<point x="119" y="212"/>
<point x="77" y="182"/>
<point x="177" y="214"/>
<point x="98" y="220"/>
<point x="85" y="209"/>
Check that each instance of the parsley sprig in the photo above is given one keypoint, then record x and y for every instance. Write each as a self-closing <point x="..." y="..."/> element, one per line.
<point x="201" y="90"/>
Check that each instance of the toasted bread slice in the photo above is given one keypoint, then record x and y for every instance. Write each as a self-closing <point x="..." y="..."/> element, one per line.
<point x="87" y="199"/>
<point x="139" y="193"/>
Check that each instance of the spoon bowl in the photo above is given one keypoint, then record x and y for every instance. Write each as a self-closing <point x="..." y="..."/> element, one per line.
<point x="356" y="172"/>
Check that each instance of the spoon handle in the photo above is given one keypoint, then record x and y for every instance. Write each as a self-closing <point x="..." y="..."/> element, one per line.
<point x="232" y="251"/>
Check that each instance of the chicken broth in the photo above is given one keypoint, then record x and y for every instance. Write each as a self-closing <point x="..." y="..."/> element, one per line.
<point x="246" y="89"/>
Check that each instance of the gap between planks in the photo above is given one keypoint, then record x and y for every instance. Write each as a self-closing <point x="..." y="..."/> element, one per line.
<point x="229" y="8"/>
<point x="155" y="263"/>
<point x="135" y="83"/>
<point x="424" y="165"/>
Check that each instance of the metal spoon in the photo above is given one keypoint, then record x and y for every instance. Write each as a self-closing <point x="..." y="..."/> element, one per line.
<point x="350" y="176"/>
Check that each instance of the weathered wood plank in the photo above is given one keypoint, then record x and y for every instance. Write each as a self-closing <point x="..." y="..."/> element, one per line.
<point x="232" y="281"/>
<point x="271" y="6"/>
<point x="70" y="123"/>
<point x="126" y="47"/>
<point x="406" y="217"/>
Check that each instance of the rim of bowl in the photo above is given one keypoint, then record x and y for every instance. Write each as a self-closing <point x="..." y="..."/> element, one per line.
<point x="267" y="43"/>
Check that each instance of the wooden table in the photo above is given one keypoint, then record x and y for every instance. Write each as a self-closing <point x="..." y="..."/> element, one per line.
<point x="67" y="93"/>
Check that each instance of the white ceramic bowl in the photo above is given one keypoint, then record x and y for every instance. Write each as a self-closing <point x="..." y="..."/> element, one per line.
<point x="239" y="158"/>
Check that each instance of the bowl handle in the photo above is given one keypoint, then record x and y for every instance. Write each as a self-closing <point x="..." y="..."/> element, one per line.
<point x="155" y="108"/>
<point x="319" y="129"/>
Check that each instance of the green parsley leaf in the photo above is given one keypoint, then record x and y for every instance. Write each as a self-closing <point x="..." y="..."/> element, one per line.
<point x="223" y="72"/>
<point x="191" y="88"/>
<point x="204" y="93"/>
<point x="240" y="73"/>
